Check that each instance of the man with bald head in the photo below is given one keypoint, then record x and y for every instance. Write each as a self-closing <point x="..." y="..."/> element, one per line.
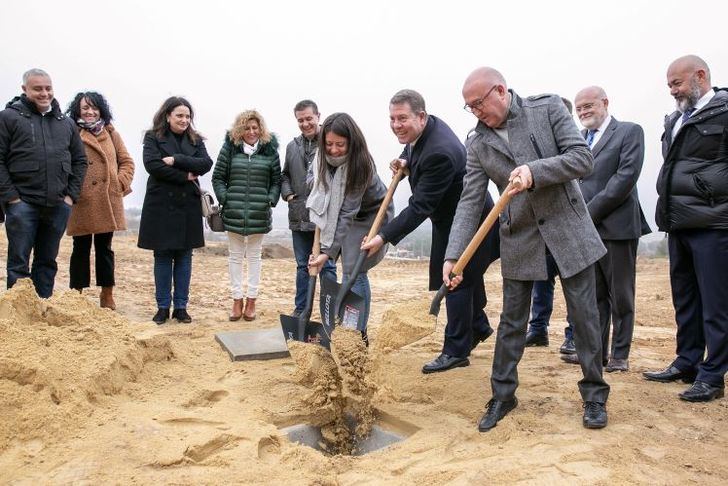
<point x="610" y="192"/>
<point x="535" y="140"/>
<point x="692" y="208"/>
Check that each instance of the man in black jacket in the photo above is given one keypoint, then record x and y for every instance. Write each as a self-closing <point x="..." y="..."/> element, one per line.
<point x="42" y="165"/>
<point x="693" y="209"/>
<point x="300" y="153"/>
<point x="435" y="159"/>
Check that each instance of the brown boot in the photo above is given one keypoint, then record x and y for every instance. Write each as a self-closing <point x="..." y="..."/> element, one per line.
<point x="107" y="298"/>
<point x="237" y="311"/>
<point x="249" y="313"/>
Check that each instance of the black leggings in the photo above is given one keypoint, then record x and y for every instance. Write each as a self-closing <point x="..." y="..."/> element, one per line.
<point x="81" y="261"/>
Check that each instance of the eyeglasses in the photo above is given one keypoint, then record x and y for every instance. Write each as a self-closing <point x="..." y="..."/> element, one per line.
<point x="475" y="105"/>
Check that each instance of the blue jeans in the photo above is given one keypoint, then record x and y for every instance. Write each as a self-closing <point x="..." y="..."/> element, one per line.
<point x="302" y="245"/>
<point x="169" y="265"/>
<point x="38" y="229"/>
<point x="543" y="302"/>
<point x="361" y="287"/>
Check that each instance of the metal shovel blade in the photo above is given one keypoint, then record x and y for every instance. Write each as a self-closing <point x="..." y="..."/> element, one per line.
<point x="351" y="310"/>
<point x="314" y="331"/>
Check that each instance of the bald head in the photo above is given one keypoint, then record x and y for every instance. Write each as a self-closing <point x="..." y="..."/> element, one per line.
<point x="688" y="78"/>
<point x="486" y="95"/>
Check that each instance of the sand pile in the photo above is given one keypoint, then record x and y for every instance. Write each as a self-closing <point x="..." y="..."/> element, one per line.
<point x="60" y="358"/>
<point x="404" y="324"/>
<point x="341" y="389"/>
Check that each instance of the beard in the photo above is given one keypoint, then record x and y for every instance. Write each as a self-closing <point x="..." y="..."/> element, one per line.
<point x="688" y="101"/>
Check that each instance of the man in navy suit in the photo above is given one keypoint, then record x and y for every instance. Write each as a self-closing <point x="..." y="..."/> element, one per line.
<point x="692" y="208"/>
<point x="611" y="197"/>
<point x="435" y="159"/>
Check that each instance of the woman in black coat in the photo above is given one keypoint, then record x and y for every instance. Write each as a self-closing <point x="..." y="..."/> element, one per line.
<point x="171" y="223"/>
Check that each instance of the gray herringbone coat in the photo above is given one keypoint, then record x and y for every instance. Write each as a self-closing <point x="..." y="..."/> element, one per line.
<point x="552" y="213"/>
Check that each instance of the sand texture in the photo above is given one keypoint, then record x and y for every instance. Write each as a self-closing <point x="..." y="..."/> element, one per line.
<point x="91" y="396"/>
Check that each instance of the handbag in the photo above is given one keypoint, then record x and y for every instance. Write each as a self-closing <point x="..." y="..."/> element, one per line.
<point x="211" y="211"/>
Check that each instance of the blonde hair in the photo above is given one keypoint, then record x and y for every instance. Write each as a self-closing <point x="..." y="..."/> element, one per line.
<point x="236" y="132"/>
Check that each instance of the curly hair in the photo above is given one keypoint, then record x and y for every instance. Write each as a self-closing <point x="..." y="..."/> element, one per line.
<point x="94" y="99"/>
<point x="236" y="131"/>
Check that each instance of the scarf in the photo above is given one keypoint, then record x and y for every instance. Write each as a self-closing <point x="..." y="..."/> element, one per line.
<point x="95" y="127"/>
<point x="324" y="206"/>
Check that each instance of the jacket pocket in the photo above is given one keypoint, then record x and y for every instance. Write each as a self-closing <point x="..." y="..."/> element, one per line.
<point x="20" y="166"/>
<point x="708" y="130"/>
<point x="573" y="201"/>
<point x="704" y="188"/>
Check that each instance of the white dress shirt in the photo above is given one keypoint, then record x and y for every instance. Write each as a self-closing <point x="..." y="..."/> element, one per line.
<point x="698" y="106"/>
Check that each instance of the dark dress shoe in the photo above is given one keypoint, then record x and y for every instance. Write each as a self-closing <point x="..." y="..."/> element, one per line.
<point x="182" y="316"/>
<point x="161" y="316"/>
<point x="536" y="339"/>
<point x="702" y="392"/>
<point x="595" y="415"/>
<point x="615" y="364"/>
<point x="444" y="362"/>
<point x="480" y="338"/>
<point x="567" y="347"/>
<point x="496" y="411"/>
<point x="570" y="358"/>
<point x="671" y="373"/>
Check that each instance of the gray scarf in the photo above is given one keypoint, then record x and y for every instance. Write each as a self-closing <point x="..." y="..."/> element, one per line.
<point x="324" y="206"/>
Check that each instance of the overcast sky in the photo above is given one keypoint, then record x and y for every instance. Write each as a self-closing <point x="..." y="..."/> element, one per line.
<point x="352" y="56"/>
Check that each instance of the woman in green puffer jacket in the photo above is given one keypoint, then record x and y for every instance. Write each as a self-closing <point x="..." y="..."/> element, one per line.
<point x="247" y="183"/>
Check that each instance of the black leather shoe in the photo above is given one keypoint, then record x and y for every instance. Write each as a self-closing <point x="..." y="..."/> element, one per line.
<point x="567" y="347"/>
<point x="182" y="316"/>
<point x="444" y="362"/>
<point x="480" y="338"/>
<point x="616" y="364"/>
<point x="570" y="358"/>
<point x="702" y="392"/>
<point x="536" y="339"/>
<point x="671" y="373"/>
<point x="595" y="415"/>
<point x="161" y="316"/>
<point x="496" y="411"/>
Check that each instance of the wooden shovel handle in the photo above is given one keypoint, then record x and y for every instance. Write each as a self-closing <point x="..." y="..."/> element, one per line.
<point x="485" y="227"/>
<point x="315" y="251"/>
<point x="385" y="204"/>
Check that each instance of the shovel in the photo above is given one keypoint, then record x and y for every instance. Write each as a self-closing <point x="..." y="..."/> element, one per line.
<point x="472" y="247"/>
<point x="339" y="304"/>
<point x="301" y="328"/>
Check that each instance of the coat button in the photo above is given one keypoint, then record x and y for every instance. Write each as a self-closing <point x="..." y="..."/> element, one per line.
<point x="93" y="183"/>
<point x="541" y="221"/>
<point x="170" y="194"/>
<point x="573" y="200"/>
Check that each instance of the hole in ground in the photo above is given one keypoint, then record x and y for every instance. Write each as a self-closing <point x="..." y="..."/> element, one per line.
<point x="387" y="430"/>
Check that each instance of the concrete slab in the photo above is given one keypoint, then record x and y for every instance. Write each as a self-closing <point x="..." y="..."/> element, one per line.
<point x="254" y="344"/>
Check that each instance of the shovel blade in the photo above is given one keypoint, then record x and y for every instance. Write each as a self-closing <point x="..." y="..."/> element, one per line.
<point x="314" y="332"/>
<point x="351" y="312"/>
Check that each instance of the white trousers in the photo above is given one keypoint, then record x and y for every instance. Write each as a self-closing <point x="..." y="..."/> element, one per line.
<point x="248" y="247"/>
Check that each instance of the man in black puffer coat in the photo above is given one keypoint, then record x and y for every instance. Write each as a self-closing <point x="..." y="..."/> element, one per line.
<point x="693" y="209"/>
<point x="42" y="165"/>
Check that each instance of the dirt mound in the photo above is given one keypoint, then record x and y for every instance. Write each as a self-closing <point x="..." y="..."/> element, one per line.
<point x="60" y="357"/>
<point x="275" y="250"/>
<point x="403" y="324"/>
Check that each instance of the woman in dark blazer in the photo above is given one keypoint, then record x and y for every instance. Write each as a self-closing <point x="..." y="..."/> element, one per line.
<point x="171" y="223"/>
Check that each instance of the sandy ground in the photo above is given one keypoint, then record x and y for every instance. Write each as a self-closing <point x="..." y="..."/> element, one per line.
<point x="88" y="396"/>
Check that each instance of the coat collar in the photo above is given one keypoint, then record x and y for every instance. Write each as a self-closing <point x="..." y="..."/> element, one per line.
<point x="421" y="141"/>
<point x="173" y="146"/>
<point x="608" y="132"/>
<point x="514" y="122"/>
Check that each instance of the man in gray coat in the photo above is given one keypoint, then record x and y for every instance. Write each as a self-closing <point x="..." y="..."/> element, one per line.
<point x="535" y="140"/>
<point x="294" y="190"/>
<point x="610" y="192"/>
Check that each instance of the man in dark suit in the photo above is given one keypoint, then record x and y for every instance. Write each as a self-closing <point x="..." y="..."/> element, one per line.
<point x="435" y="159"/>
<point x="610" y="192"/>
<point x="533" y="140"/>
<point x="692" y="208"/>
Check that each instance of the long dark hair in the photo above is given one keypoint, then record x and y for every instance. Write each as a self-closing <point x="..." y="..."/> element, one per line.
<point x="361" y="167"/>
<point x="94" y="99"/>
<point x="159" y="122"/>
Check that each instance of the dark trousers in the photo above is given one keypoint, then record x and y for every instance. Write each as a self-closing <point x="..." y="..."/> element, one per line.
<point x="698" y="269"/>
<point x="80" y="268"/>
<point x="543" y="302"/>
<point x="36" y="229"/>
<point x="302" y="245"/>
<point x="615" y="278"/>
<point x="172" y="266"/>
<point x="510" y="342"/>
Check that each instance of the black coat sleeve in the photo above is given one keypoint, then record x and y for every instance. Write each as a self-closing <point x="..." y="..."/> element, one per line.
<point x="153" y="163"/>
